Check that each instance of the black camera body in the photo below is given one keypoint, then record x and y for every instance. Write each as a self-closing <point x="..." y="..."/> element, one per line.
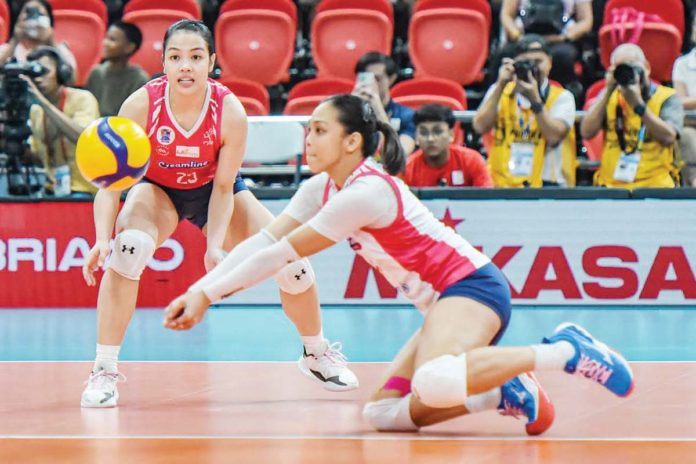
<point x="15" y="99"/>
<point x="523" y="68"/>
<point x="626" y="74"/>
<point x="15" y="105"/>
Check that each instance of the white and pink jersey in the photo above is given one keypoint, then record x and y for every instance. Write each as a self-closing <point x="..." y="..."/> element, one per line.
<point x="389" y="227"/>
<point x="183" y="159"/>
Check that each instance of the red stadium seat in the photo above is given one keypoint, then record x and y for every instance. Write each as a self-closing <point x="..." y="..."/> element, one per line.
<point x="382" y="6"/>
<point x="431" y="86"/>
<point x="341" y="37"/>
<point x="595" y="145"/>
<point x="659" y="41"/>
<point x="417" y="92"/>
<point x="4" y="21"/>
<point x="153" y="24"/>
<point x="191" y="7"/>
<point x="449" y="43"/>
<point x="83" y="31"/>
<point x="284" y="6"/>
<point x="482" y="6"/>
<point x="253" y="95"/>
<point x="255" y="44"/>
<point x="306" y="95"/>
<point x="671" y="11"/>
<point x="98" y="7"/>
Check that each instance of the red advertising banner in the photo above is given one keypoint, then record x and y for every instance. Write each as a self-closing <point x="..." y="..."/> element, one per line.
<point x="43" y="246"/>
<point x="596" y="252"/>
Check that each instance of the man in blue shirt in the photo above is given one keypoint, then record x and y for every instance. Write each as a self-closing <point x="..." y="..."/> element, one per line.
<point x="375" y="90"/>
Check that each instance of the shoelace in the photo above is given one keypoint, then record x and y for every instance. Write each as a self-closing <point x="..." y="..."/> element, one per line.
<point x="102" y="377"/>
<point x="333" y="353"/>
<point x="510" y="410"/>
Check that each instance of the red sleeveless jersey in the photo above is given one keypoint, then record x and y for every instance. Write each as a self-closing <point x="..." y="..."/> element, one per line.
<point x="183" y="159"/>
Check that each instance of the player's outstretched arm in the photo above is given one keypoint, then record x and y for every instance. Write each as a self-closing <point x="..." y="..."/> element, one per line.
<point x="187" y="310"/>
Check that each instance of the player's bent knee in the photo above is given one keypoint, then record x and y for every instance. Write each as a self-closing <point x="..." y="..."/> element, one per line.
<point x="441" y="382"/>
<point x="390" y="415"/>
<point x="132" y="250"/>
<point x="297" y="277"/>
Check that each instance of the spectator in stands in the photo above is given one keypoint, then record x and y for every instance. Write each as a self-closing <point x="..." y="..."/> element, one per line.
<point x="641" y="121"/>
<point x="562" y="27"/>
<point x="56" y="121"/>
<point x="439" y="162"/>
<point x="532" y="122"/>
<point x="377" y="94"/>
<point x="33" y="28"/>
<point x="115" y="79"/>
<point x="684" y="79"/>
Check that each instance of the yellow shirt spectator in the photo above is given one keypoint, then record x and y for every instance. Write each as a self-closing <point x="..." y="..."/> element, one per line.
<point x="54" y="148"/>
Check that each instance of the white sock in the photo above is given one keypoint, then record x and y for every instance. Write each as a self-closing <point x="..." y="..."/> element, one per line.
<point x="315" y="344"/>
<point x="483" y="401"/>
<point x="553" y="355"/>
<point x="107" y="358"/>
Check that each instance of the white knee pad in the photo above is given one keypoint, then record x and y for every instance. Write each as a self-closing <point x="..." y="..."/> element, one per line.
<point x="297" y="277"/>
<point x="132" y="250"/>
<point x="390" y="415"/>
<point x="441" y="382"/>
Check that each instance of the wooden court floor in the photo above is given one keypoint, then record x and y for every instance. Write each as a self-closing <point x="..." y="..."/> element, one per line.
<point x="269" y="413"/>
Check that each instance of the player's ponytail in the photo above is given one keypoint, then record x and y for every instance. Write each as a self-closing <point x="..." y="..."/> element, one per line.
<point x="393" y="156"/>
<point x="356" y="115"/>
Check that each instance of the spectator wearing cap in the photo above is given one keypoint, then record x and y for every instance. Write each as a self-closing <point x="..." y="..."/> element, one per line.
<point x="641" y="121"/>
<point x="376" y="93"/>
<point x="684" y="79"/>
<point x="532" y="122"/>
<point x="439" y="162"/>
<point x="115" y="79"/>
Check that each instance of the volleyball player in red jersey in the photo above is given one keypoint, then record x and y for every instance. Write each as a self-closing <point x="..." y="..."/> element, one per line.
<point x="197" y="129"/>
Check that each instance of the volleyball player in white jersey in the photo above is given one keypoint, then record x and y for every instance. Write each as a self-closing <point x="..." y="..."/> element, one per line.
<point x="197" y="130"/>
<point x="449" y="367"/>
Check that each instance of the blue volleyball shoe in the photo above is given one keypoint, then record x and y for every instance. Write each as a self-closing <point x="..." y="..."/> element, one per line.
<point x="523" y="396"/>
<point x="594" y="360"/>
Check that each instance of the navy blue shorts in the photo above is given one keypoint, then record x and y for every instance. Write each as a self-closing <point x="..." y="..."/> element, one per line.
<point x="192" y="204"/>
<point x="488" y="286"/>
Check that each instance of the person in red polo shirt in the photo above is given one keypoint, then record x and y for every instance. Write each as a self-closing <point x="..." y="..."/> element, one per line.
<point x="439" y="162"/>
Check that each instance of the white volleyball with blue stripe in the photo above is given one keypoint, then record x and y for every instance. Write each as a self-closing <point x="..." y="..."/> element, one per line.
<point x="113" y="153"/>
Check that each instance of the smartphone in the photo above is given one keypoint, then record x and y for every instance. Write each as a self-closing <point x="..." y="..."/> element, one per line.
<point x="366" y="78"/>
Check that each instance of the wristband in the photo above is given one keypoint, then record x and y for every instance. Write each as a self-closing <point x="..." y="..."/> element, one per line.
<point x="537" y="107"/>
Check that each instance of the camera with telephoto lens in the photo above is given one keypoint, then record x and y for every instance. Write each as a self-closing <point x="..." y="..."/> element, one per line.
<point x="15" y="103"/>
<point x="626" y="74"/>
<point x="523" y="68"/>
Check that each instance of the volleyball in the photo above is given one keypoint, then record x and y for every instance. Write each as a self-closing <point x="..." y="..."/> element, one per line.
<point x="113" y="153"/>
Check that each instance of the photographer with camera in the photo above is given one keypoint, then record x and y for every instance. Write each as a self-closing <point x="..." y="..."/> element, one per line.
<point x="641" y="121"/>
<point x="56" y="120"/>
<point x="33" y="28"/>
<point x="532" y="122"/>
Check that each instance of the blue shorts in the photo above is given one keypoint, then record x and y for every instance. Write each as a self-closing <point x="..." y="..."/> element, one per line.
<point x="192" y="204"/>
<point x="489" y="287"/>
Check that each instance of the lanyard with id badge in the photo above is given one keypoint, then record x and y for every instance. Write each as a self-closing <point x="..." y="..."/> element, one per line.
<point x="627" y="165"/>
<point x="522" y="153"/>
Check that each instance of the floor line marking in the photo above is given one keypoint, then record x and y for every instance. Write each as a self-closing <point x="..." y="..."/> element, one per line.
<point x="403" y="437"/>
